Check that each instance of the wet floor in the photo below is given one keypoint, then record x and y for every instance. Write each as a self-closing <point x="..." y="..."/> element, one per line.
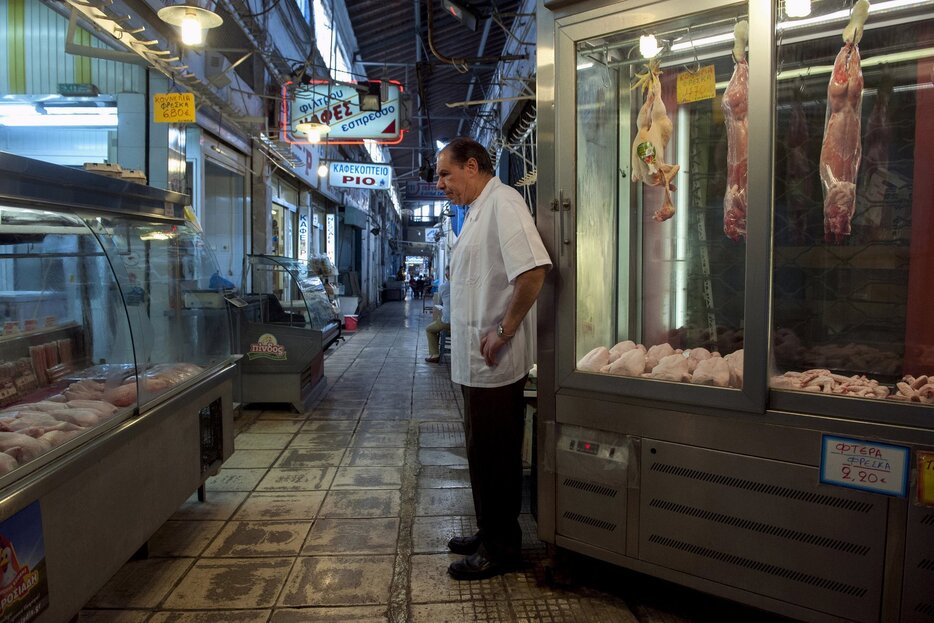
<point x="342" y="514"/>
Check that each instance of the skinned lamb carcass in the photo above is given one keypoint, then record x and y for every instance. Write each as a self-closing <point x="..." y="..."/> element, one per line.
<point x="842" y="146"/>
<point x="671" y="368"/>
<point x="735" y="106"/>
<point x="630" y="363"/>
<point x="652" y="136"/>
<point x="594" y="360"/>
<point x="623" y="347"/>
<point x="713" y="371"/>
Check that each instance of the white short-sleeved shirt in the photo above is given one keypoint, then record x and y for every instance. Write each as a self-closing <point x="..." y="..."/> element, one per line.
<point x="497" y="243"/>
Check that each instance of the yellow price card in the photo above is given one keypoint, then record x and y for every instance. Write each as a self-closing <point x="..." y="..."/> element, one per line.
<point x="174" y="107"/>
<point x="697" y="86"/>
<point x="926" y="478"/>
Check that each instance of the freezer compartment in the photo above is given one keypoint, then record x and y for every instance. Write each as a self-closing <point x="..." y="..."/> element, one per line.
<point x="764" y="526"/>
<point x="918" y="585"/>
<point x="594" y="472"/>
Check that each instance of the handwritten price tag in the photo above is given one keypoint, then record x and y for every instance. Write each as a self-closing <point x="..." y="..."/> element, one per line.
<point x="926" y="478"/>
<point x="697" y="86"/>
<point x="174" y="107"/>
<point x="867" y="465"/>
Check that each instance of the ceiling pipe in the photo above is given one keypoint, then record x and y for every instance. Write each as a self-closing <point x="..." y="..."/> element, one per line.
<point x="463" y="62"/>
<point x="473" y="79"/>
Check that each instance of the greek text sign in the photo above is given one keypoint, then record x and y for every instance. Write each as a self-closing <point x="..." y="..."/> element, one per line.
<point x="697" y="86"/>
<point x="174" y="107"/>
<point x="867" y="465"/>
<point x="338" y="105"/>
<point x="360" y="175"/>
<point x="423" y="190"/>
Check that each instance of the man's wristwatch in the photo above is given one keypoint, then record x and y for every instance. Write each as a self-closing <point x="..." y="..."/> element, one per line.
<point x="500" y="333"/>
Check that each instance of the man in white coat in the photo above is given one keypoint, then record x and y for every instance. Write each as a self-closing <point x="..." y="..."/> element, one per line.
<point x="498" y="265"/>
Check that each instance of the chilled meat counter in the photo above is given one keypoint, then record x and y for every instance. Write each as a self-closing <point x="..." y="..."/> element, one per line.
<point x="114" y="406"/>
<point x="736" y="358"/>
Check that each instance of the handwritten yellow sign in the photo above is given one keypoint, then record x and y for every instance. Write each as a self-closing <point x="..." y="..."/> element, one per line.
<point x="174" y="107"/>
<point x="697" y="86"/>
<point x="926" y="478"/>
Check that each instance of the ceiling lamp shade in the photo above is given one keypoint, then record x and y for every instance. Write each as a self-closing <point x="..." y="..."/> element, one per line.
<point x="313" y="128"/>
<point x="192" y="20"/>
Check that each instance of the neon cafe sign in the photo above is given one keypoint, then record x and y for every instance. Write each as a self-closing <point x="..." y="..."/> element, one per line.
<point x="338" y="106"/>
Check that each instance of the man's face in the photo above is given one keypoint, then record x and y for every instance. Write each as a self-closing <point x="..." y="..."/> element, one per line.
<point x="456" y="179"/>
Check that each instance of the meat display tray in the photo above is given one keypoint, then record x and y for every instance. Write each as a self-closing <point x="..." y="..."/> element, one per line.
<point x="103" y="372"/>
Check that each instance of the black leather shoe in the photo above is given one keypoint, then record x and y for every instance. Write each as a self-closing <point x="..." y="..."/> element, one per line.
<point x="464" y="545"/>
<point x="477" y="567"/>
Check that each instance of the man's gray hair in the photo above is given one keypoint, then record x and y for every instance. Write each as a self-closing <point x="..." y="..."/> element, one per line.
<point x="463" y="148"/>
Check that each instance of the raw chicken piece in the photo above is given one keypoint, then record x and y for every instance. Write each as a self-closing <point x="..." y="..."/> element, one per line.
<point x="80" y="417"/>
<point x="630" y="363"/>
<point x="105" y="409"/>
<point x="623" y="347"/>
<point x="85" y="390"/>
<point x="656" y="354"/>
<point x="7" y="463"/>
<point x="714" y="371"/>
<point x="841" y="149"/>
<point x="58" y="437"/>
<point x="697" y="355"/>
<point x="735" y="105"/>
<point x="648" y="148"/>
<point x="21" y="447"/>
<point x="122" y="396"/>
<point x="735" y="361"/>
<point x="594" y="360"/>
<point x="671" y="368"/>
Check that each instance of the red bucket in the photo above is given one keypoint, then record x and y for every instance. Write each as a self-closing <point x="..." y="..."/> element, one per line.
<point x="350" y="323"/>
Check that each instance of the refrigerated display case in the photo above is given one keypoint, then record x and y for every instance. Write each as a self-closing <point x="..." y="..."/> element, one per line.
<point x="734" y="351"/>
<point x="115" y="374"/>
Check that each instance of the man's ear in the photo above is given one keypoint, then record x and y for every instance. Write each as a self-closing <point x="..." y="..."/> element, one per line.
<point x="472" y="165"/>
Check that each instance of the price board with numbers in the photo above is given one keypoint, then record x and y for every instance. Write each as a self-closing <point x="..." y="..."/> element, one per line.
<point x="697" y="85"/>
<point x="866" y="465"/>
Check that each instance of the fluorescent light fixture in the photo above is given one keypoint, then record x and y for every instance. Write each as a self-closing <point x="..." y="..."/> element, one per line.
<point x="797" y="8"/>
<point x="59" y="121"/>
<point x="156" y="235"/>
<point x="585" y="65"/>
<point x="845" y="13"/>
<point x="77" y="110"/>
<point x="698" y="43"/>
<point x="648" y="46"/>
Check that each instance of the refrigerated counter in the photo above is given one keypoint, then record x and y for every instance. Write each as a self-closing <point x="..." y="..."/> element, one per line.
<point x="114" y="408"/>
<point x="736" y="359"/>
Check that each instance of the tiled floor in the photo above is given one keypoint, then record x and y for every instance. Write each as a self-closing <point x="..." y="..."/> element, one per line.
<point x="342" y="514"/>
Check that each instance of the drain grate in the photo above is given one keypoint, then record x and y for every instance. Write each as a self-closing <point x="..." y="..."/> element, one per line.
<point x="758" y="565"/>
<point x="590" y="487"/>
<point x="764" y="488"/>
<point x="764" y="528"/>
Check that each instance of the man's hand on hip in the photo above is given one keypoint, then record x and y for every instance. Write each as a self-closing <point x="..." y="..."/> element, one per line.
<point x="490" y="345"/>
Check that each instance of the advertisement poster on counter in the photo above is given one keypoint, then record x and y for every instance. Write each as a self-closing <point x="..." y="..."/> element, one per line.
<point x="24" y="589"/>
<point x="268" y="347"/>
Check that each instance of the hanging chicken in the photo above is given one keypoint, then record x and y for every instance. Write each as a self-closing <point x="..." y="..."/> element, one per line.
<point x="841" y="149"/>
<point x="648" y="148"/>
<point x="735" y="105"/>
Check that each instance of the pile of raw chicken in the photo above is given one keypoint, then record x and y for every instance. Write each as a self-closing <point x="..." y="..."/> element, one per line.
<point x="32" y="429"/>
<point x="666" y="363"/>
<point x="909" y="389"/>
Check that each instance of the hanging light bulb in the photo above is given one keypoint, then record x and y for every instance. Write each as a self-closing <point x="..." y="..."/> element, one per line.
<point x="322" y="169"/>
<point x="797" y="8"/>
<point x="192" y="20"/>
<point x="648" y="46"/>
<point x="313" y="128"/>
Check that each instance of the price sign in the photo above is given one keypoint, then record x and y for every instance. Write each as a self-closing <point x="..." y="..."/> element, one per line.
<point x="866" y="465"/>
<point x="926" y="477"/>
<point x="174" y="107"/>
<point x="697" y="86"/>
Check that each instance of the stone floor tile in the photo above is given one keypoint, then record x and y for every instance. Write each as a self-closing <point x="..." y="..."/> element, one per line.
<point x="442" y="456"/>
<point x="444" y="502"/>
<point x="212" y="616"/>
<point x="571" y="609"/>
<point x="443" y="477"/>
<point x="379" y="440"/>
<point x="281" y="506"/>
<point x="374" y="457"/>
<point x="430" y="582"/>
<point x="383" y="426"/>
<point x="219" y="583"/>
<point x="217" y="505"/>
<point x="352" y="536"/>
<point x="441" y="440"/>
<point x="275" y="426"/>
<point x="339" y="581"/>
<point x="113" y="616"/>
<point x="431" y="534"/>
<point x="352" y="614"/>
<point x="367" y="478"/>
<point x="305" y="479"/>
<point x="335" y="415"/>
<point x="244" y="539"/>
<point x="255" y="459"/>
<point x="141" y="583"/>
<point x="329" y="426"/>
<point x="309" y="457"/>
<point x="361" y="504"/>
<point x="330" y="441"/>
<point x="262" y="441"/>
<point x="461" y="612"/>
<point x="386" y="414"/>
<point x="181" y="539"/>
<point x="286" y="415"/>
<point x="235" y="480"/>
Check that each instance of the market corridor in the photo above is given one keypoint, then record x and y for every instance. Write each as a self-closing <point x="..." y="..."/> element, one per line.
<point x="343" y="514"/>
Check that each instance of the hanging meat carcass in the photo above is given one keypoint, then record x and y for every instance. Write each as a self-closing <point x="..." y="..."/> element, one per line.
<point x="735" y="105"/>
<point x="652" y="136"/>
<point x="841" y="149"/>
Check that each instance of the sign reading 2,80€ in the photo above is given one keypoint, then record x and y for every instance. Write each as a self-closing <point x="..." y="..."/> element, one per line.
<point x="338" y="105"/>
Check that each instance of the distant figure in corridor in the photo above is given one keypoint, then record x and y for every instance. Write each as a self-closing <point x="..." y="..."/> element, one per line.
<point x="443" y="323"/>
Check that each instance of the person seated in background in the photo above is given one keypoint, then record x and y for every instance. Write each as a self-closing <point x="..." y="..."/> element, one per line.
<point x="412" y="285"/>
<point x="441" y="323"/>
<point x="419" y="286"/>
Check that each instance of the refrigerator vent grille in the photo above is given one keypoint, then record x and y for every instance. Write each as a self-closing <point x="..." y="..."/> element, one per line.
<point x="925" y="609"/>
<point x="590" y="487"/>
<point x="590" y="521"/>
<point x="926" y="564"/>
<point x="761" y="487"/>
<point x="762" y="567"/>
<point x="778" y="531"/>
<point x="928" y="520"/>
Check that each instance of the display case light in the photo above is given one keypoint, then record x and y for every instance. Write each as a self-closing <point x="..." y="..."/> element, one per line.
<point x="648" y="46"/>
<point x="192" y="20"/>
<point x="797" y="8"/>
